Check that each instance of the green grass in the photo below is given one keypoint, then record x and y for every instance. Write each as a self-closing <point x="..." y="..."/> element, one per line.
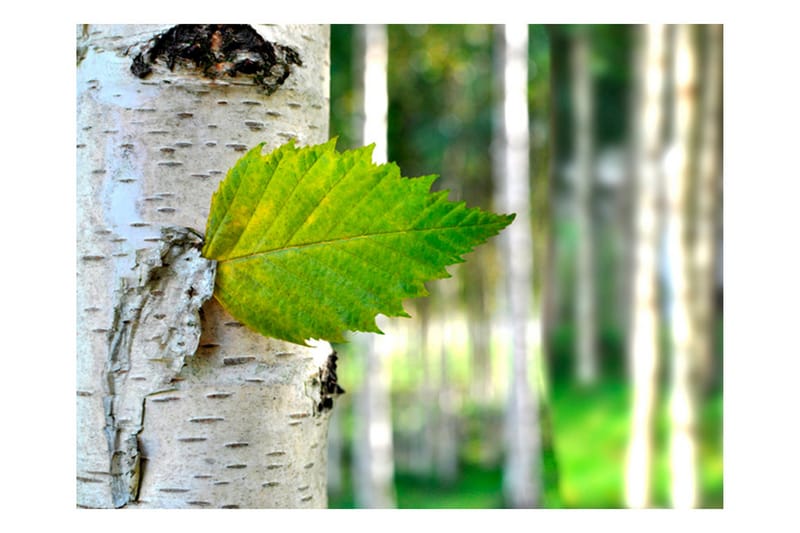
<point x="591" y="431"/>
<point x="476" y="488"/>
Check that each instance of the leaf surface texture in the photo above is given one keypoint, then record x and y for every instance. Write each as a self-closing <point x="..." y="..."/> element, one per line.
<point x="312" y="242"/>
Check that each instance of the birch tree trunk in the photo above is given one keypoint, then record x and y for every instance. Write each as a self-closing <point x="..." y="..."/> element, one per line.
<point x="707" y="207"/>
<point x="522" y="472"/>
<point x="481" y="378"/>
<point x="178" y="405"/>
<point x="374" y="449"/>
<point x="643" y="331"/>
<point x="335" y="475"/>
<point x="683" y="385"/>
<point x="475" y="288"/>
<point x="422" y="453"/>
<point x="446" y="449"/>
<point x="585" y="316"/>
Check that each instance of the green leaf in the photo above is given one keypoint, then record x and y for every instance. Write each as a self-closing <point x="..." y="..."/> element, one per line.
<point x="311" y="242"/>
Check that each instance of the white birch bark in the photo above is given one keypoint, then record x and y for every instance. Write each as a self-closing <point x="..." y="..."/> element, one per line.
<point x="374" y="449"/>
<point x="178" y="405"/>
<point x="585" y="316"/>
<point x="650" y="66"/>
<point x="683" y="387"/>
<point x="522" y="471"/>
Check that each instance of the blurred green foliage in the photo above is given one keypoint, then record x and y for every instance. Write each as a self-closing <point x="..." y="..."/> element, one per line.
<point x="590" y="429"/>
<point x="442" y="96"/>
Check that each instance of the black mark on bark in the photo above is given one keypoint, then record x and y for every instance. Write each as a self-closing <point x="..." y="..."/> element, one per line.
<point x="220" y="50"/>
<point x="328" y="383"/>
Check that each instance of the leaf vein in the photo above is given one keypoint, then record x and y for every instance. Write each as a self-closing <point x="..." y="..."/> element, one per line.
<point x="312" y="211"/>
<point x="283" y="205"/>
<point x="355" y="208"/>
<point x="321" y="303"/>
<point x="352" y="238"/>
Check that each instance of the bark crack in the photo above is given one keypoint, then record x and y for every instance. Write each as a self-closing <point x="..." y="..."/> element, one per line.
<point x="155" y="326"/>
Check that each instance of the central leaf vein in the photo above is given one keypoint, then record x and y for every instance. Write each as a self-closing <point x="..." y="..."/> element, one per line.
<point x="351" y="238"/>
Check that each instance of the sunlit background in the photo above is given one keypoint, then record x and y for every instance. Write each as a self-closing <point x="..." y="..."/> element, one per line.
<point x="576" y="360"/>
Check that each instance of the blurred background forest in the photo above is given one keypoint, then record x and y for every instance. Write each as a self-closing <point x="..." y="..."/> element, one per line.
<point x="576" y="360"/>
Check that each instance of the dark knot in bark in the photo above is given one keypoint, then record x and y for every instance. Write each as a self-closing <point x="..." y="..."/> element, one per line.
<point x="220" y="50"/>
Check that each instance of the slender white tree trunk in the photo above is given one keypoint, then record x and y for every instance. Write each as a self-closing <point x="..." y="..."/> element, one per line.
<point x="335" y="474"/>
<point x="585" y="316"/>
<point x="374" y="447"/>
<point x="479" y="330"/>
<point x="178" y="405"/>
<point x="446" y="455"/>
<point x="709" y="180"/>
<point x="683" y="386"/>
<point x="481" y="379"/>
<point x="423" y="448"/>
<point x="650" y="66"/>
<point x="522" y="472"/>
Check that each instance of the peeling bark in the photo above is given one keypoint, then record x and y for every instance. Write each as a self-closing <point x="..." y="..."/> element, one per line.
<point x="178" y="404"/>
<point x="156" y="325"/>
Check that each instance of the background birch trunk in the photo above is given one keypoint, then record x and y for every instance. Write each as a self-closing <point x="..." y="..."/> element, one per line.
<point x="374" y="450"/>
<point x="708" y="203"/>
<point x="586" y="366"/>
<point x="178" y="405"/>
<point x="446" y="448"/>
<point x="683" y="400"/>
<point x="643" y="331"/>
<point x="522" y="472"/>
<point x="422" y="453"/>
